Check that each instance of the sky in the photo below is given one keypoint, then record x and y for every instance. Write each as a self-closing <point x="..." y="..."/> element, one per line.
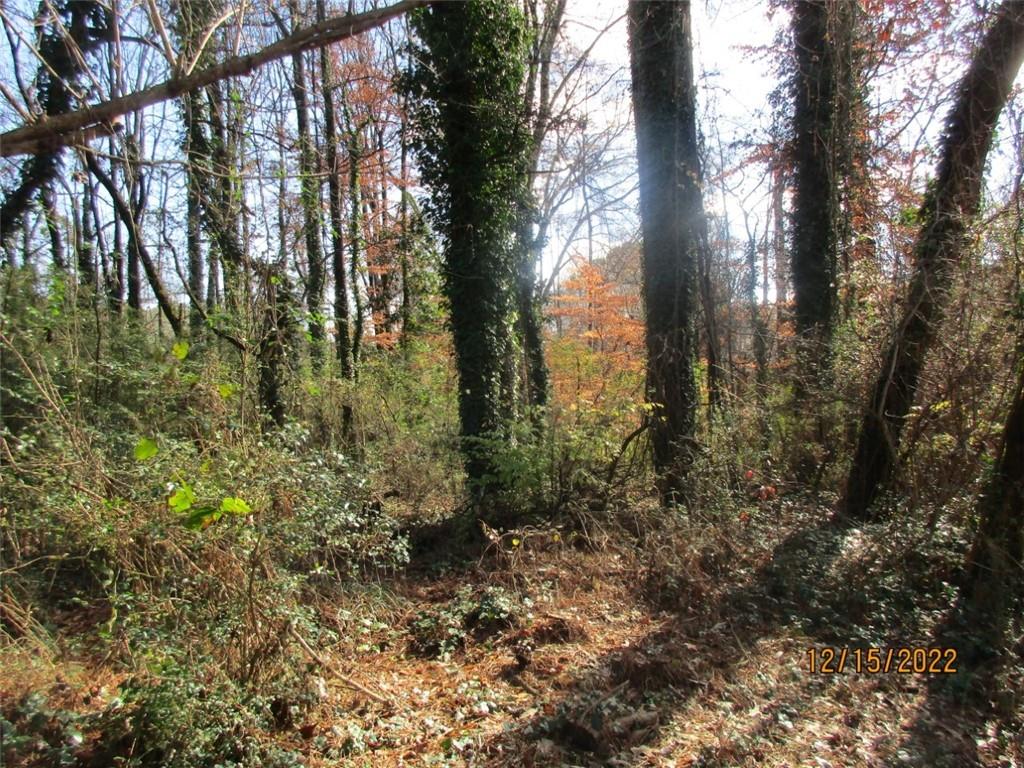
<point x="736" y="60"/>
<point x="733" y="83"/>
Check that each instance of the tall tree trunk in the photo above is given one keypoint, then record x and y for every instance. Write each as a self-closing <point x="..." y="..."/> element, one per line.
<point x="196" y="164"/>
<point x="87" y="248"/>
<point x="343" y="342"/>
<point x="120" y="285"/>
<point x="951" y="201"/>
<point x="52" y="219"/>
<point x="355" y="238"/>
<point x="468" y="110"/>
<point x="131" y="217"/>
<point x="276" y="337"/>
<point x="716" y="374"/>
<point x="310" y="203"/>
<point x="405" y="243"/>
<point x="221" y="203"/>
<point x="671" y="210"/>
<point x="192" y="22"/>
<point x="538" y="107"/>
<point x="779" y="245"/>
<point x="995" y="570"/>
<point x="820" y="36"/>
<point x="530" y="329"/>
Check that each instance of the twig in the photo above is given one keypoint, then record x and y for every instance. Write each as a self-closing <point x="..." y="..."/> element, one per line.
<point x="622" y="450"/>
<point x="343" y="678"/>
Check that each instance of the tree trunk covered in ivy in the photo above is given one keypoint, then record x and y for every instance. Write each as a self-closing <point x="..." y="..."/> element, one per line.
<point x="355" y="237"/>
<point x="87" y="275"/>
<point x="822" y="95"/>
<point x="193" y="219"/>
<point x="343" y="348"/>
<point x="221" y="202"/>
<point x="194" y="18"/>
<point x="671" y="213"/>
<point x="276" y="338"/>
<point x="995" y="572"/>
<point x="465" y="87"/>
<point x="49" y="202"/>
<point x="310" y="196"/>
<point x="952" y="200"/>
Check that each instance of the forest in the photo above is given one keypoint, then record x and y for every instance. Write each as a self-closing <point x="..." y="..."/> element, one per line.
<point x="512" y="383"/>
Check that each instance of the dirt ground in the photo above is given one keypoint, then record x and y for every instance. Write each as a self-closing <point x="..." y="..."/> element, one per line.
<point x="588" y="672"/>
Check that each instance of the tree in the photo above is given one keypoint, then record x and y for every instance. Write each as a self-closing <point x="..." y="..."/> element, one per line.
<point x="671" y="214"/>
<point x="994" y="564"/>
<point x="465" y="87"/>
<point x="950" y="202"/>
<point x="75" y="29"/>
<point x="823" y="91"/>
<point x="310" y="196"/>
<point x="194" y="18"/>
<point x="544" y="27"/>
<point x="65" y="127"/>
<point x="343" y="343"/>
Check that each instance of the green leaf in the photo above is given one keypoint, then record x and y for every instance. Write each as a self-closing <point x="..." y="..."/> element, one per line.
<point x="182" y="499"/>
<point x="180" y="349"/>
<point x="226" y="390"/>
<point x="145" y="449"/>
<point x="235" y="506"/>
<point x="202" y="517"/>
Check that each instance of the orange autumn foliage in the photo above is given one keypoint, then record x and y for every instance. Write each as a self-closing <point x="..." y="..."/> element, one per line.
<point x="602" y="330"/>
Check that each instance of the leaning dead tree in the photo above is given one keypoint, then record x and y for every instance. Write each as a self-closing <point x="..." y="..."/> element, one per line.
<point x="952" y="200"/>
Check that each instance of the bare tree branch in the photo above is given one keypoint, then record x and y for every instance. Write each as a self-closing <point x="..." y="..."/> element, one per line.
<point x="51" y="133"/>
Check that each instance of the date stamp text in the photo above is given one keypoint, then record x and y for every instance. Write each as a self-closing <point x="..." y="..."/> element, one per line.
<point x="902" y="660"/>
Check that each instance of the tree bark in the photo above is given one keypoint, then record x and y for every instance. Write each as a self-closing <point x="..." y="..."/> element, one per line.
<point x="994" y="570"/>
<point x="467" y="110"/>
<point x="671" y="211"/>
<point x="52" y="219"/>
<point x="355" y="237"/>
<point x="310" y="197"/>
<point x="54" y="132"/>
<point x="276" y="338"/>
<point x="779" y="245"/>
<point x="538" y="106"/>
<point x="127" y="213"/>
<point x="194" y="166"/>
<point x="343" y="342"/>
<point x="951" y="201"/>
<point x="87" y="241"/>
<point x="819" y="38"/>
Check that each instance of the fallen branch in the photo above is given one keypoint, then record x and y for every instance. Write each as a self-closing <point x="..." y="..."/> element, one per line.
<point x="354" y="685"/>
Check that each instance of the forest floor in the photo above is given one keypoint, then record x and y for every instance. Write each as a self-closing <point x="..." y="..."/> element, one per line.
<point x="543" y="654"/>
